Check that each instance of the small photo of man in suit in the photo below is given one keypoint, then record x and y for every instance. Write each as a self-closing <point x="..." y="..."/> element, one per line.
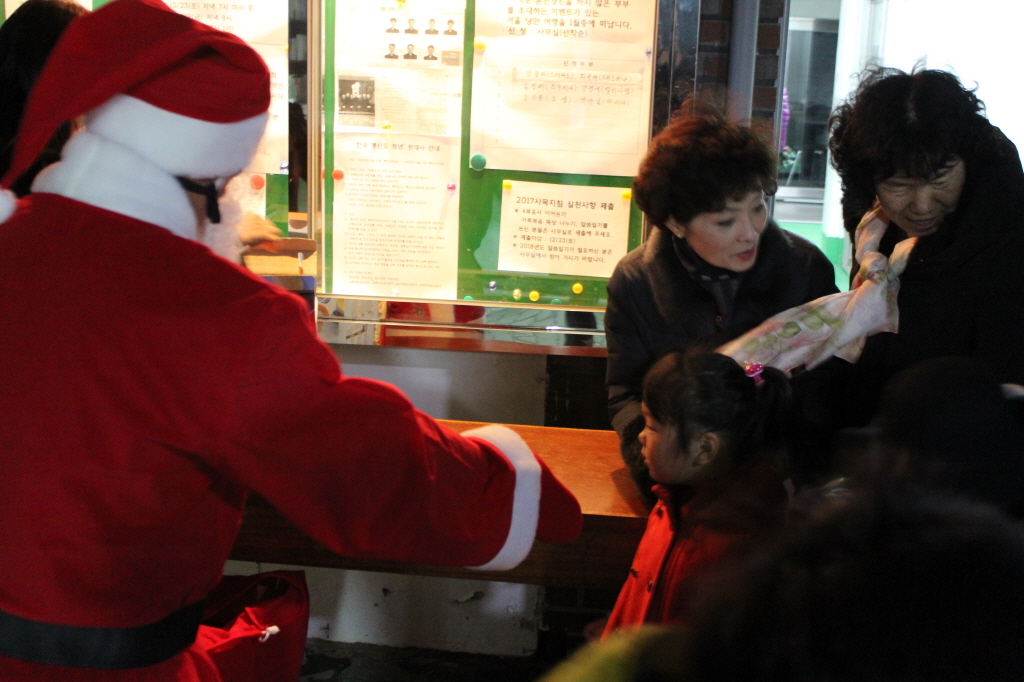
<point x="412" y="27"/>
<point x="432" y="30"/>
<point x="393" y="28"/>
<point x="430" y="54"/>
<point x="391" y="52"/>
<point x="409" y="53"/>
<point x="450" y="31"/>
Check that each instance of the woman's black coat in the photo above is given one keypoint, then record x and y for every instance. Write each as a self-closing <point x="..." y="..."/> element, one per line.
<point x="655" y="306"/>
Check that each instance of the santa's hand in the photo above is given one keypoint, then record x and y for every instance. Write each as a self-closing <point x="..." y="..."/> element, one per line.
<point x="254" y="229"/>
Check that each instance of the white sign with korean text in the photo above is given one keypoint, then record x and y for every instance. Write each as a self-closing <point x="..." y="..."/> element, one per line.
<point x="563" y="84"/>
<point x="562" y="229"/>
<point x="396" y="216"/>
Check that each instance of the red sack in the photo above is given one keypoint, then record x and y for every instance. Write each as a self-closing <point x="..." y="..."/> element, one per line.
<point x="254" y="627"/>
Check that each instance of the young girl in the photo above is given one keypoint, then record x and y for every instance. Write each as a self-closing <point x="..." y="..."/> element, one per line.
<point x="713" y="441"/>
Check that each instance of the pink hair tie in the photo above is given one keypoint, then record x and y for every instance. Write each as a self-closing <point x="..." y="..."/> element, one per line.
<point x="754" y="372"/>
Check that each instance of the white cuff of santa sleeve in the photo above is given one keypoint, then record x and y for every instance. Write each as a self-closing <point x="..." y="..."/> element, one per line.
<point x="526" y="501"/>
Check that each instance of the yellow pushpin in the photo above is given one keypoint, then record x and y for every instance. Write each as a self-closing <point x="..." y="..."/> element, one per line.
<point x="479" y="44"/>
<point x="506" y="185"/>
<point x="386" y="125"/>
<point x="577" y="288"/>
<point x="517" y="294"/>
<point x="534" y="295"/>
<point x="627" y="194"/>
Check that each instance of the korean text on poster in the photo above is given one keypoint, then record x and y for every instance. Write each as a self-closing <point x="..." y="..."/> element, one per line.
<point x="562" y="229"/>
<point x="564" y="83"/>
<point x="396" y="222"/>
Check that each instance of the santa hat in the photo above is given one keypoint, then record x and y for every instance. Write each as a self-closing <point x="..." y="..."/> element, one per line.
<point x="188" y="98"/>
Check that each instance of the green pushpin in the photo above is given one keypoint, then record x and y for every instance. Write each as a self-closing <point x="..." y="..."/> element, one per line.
<point x="478" y="162"/>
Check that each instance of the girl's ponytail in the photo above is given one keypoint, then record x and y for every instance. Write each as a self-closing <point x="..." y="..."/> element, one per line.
<point x="773" y="424"/>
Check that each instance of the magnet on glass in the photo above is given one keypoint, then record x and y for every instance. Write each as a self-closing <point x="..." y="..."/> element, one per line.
<point x="338" y="174"/>
<point x="577" y="288"/>
<point x="627" y="194"/>
<point x="506" y="185"/>
<point x="534" y="295"/>
<point x="517" y="294"/>
<point x="492" y="285"/>
<point x="257" y="181"/>
<point x="478" y="162"/>
<point x="479" y="44"/>
<point x="451" y="188"/>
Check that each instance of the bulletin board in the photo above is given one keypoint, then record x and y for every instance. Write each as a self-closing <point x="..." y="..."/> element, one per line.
<point x="483" y="150"/>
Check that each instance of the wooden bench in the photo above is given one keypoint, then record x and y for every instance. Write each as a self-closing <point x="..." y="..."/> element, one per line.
<point x="588" y="462"/>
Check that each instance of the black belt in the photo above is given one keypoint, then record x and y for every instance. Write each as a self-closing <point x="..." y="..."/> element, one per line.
<point x="100" y="648"/>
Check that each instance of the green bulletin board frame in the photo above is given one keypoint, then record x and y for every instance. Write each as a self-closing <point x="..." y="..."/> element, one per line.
<point x="479" y="280"/>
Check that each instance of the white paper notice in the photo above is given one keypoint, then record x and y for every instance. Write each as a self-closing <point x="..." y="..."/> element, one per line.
<point x="399" y="66"/>
<point x="257" y="22"/>
<point x="396" y="221"/>
<point x="564" y="83"/>
<point x="562" y="229"/>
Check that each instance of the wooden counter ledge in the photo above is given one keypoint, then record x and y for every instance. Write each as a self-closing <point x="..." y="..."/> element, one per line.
<point x="588" y="462"/>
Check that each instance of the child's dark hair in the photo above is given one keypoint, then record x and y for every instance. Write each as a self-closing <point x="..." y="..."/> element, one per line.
<point x="699" y="392"/>
<point x="698" y="162"/>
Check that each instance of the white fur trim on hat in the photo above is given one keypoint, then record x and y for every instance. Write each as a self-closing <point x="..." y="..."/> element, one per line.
<point x="525" y="504"/>
<point x="178" y="144"/>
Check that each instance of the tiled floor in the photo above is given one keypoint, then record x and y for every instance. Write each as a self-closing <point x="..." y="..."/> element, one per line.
<point x="339" y="662"/>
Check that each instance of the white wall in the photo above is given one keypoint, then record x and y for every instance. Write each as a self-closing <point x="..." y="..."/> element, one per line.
<point x="436" y="613"/>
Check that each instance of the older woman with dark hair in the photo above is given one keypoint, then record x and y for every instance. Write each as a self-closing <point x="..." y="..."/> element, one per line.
<point x="918" y="150"/>
<point x="713" y="267"/>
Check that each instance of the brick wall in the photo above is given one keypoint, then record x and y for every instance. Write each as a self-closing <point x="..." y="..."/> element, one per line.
<point x="713" y="57"/>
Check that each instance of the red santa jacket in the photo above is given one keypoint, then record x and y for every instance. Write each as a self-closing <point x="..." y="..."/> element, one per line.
<point x="714" y="527"/>
<point x="148" y="384"/>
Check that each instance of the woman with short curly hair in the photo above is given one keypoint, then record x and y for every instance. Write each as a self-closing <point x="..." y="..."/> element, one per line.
<point x="713" y="267"/>
<point x="917" y="148"/>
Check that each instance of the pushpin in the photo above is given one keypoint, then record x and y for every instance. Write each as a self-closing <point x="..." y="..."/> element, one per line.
<point x="257" y="182"/>
<point x="627" y="194"/>
<point x="506" y="185"/>
<point x="492" y="285"/>
<point x="467" y="298"/>
<point x="478" y="162"/>
<point x="479" y="44"/>
<point x="338" y="174"/>
<point x="451" y="188"/>
<point x="517" y="294"/>
<point x="577" y="288"/>
<point x="649" y="52"/>
<point x="556" y="301"/>
<point x="534" y="295"/>
<point x="386" y="125"/>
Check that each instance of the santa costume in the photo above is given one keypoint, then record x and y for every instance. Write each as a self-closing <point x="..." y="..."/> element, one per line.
<point x="148" y="383"/>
